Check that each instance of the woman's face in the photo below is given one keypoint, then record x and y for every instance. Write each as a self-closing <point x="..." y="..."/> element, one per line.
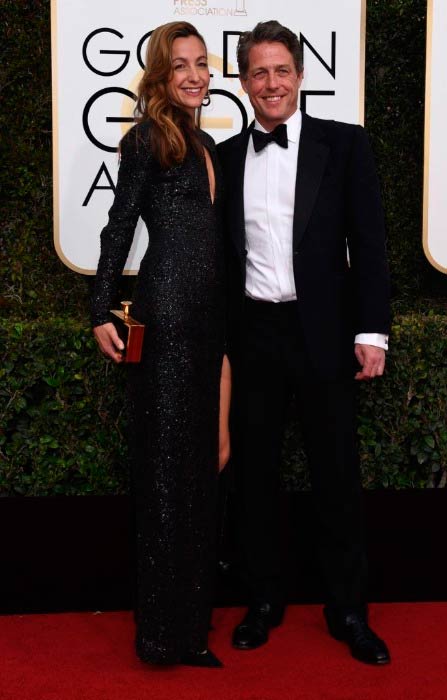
<point x="190" y="75"/>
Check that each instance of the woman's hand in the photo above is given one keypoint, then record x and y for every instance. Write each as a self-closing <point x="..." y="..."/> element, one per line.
<point x="109" y="341"/>
<point x="224" y="413"/>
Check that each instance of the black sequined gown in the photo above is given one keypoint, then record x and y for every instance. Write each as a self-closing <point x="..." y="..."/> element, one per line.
<point x="174" y="390"/>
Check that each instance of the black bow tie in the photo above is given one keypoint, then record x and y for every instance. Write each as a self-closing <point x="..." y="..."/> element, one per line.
<point x="261" y="139"/>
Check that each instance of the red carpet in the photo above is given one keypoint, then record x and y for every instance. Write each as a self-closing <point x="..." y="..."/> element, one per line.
<point x="86" y="656"/>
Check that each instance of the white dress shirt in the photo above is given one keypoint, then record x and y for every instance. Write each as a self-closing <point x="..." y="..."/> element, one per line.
<point x="269" y="205"/>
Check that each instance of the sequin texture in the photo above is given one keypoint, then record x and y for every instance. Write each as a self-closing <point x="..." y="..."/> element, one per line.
<point x="174" y="391"/>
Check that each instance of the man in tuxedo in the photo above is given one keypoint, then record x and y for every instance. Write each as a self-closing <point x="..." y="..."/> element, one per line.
<point x="308" y="316"/>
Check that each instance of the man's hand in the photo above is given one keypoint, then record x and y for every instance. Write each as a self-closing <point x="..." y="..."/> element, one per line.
<point x="109" y="341"/>
<point x="371" y="359"/>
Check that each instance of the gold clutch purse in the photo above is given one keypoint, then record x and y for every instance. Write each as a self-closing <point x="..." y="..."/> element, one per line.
<point x="130" y="331"/>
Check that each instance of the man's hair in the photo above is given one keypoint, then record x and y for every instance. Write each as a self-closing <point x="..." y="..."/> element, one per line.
<point x="268" y="31"/>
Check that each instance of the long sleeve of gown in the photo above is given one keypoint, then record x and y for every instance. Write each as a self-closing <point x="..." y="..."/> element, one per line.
<point x="117" y="235"/>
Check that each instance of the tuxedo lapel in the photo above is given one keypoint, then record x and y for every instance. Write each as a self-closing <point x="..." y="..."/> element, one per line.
<point x="236" y="190"/>
<point x="312" y="157"/>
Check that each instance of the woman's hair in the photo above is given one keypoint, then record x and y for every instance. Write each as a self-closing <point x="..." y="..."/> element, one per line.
<point x="172" y="128"/>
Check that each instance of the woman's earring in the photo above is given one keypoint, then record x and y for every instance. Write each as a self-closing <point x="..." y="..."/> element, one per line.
<point x="207" y="99"/>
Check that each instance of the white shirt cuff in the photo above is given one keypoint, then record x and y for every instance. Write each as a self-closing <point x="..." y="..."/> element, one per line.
<point x="378" y="339"/>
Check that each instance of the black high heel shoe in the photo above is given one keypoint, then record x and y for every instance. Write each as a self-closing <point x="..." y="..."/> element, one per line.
<point x="206" y="659"/>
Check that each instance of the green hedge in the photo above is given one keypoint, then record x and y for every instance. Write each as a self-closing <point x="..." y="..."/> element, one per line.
<point x="62" y="408"/>
<point x="402" y="424"/>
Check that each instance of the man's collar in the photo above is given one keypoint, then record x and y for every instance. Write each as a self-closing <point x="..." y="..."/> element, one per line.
<point x="293" y="126"/>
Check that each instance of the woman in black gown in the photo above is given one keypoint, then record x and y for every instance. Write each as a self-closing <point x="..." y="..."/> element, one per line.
<point x="180" y="391"/>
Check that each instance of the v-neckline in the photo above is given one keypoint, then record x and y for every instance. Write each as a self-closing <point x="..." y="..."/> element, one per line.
<point x="211" y="174"/>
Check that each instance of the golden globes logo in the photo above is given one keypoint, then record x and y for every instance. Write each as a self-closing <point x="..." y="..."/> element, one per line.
<point x="226" y="111"/>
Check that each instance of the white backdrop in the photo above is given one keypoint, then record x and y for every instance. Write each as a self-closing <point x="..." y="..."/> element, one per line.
<point x="96" y="47"/>
<point x="435" y="166"/>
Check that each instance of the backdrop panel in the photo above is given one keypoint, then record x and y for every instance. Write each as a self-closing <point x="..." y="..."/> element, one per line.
<point x="435" y="155"/>
<point x="98" y="52"/>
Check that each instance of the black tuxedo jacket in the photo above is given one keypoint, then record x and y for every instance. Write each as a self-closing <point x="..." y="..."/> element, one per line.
<point x="337" y="202"/>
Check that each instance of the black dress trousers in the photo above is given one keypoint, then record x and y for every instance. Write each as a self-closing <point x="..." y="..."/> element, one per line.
<point x="273" y="365"/>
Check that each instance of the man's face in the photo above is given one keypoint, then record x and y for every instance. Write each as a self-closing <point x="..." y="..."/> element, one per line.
<point x="272" y="83"/>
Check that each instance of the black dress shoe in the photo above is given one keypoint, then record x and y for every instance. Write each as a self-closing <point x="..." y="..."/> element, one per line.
<point x="353" y="629"/>
<point x="253" y="631"/>
<point x="206" y="659"/>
